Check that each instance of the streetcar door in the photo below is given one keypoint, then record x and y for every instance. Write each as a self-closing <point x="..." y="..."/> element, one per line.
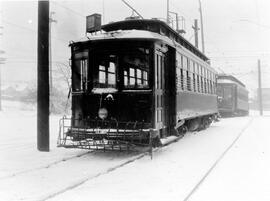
<point x="159" y="90"/>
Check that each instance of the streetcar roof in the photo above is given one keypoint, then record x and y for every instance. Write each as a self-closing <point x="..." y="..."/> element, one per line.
<point x="223" y="78"/>
<point x="154" y="25"/>
<point x="126" y="34"/>
<point x="151" y="29"/>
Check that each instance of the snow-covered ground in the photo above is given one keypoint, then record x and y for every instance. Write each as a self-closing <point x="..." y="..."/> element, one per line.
<point x="200" y="166"/>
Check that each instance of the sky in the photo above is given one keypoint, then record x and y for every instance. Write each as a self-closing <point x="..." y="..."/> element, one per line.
<point x="236" y="33"/>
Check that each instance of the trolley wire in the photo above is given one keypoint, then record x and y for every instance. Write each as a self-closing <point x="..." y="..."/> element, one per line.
<point x="69" y="9"/>
<point x="29" y="29"/>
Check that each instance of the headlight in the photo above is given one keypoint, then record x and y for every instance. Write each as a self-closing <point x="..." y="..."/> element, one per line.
<point x="103" y="113"/>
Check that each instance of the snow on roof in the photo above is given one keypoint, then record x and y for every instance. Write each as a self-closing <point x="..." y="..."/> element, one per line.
<point x="127" y="34"/>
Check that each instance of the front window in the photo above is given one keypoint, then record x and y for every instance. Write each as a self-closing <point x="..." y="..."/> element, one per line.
<point x="136" y="68"/>
<point x="106" y="66"/>
<point x="80" y="71"/>
<point x="109" y="68"/>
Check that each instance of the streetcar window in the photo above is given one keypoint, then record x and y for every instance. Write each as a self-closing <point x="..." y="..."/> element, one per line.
<point x="178" y="60"/>
<point x="182" y="61"/>
<point x="139" y="76"/>
<point x="227" y="91"/>
<point x="185" y="62"/>
<point x="182" y="78"/>
<point x="80" y="71"/>
<point x="102" y="74"/>
<point x="136" y="67"/>
<point x="202" y="90"/>
<point x="106" y="76"/>
<point x="131" y="77"/>
<point x="205" y="86"/>
<point x="131" y="72"/>
<point x="125" y="78"/>
<point x="191" y="66"/>
<point x="219" y="91"/>
<point x="194" y="82"/>
<point x="198" y="83"/>
<point x="145" y="78"/>
<point x="188" y="82"/>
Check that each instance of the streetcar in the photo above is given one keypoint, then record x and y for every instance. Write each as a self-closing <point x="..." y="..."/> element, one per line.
<point x="232" y="96"/>
<point x="135" y="82"/>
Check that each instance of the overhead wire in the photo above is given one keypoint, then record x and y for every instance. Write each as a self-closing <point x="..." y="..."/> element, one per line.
<point x="29" y="29"/>
<point x="69" y="9"/>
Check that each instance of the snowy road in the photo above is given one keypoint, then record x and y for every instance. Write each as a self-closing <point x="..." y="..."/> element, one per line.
<point x="26" y="174"/>
<point x="171" y="175"/>
<point x="174" y="172"/>
<point x="244" y="173"/>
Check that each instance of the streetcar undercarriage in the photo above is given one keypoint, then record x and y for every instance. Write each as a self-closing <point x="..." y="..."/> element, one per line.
<point x="107" y="137"/>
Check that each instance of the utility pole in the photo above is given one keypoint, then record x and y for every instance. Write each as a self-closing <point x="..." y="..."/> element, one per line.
<point x="196" y="29"/>
<point x="43" y="137"/>
<point x="177" y="20"/>
<point x="51" y="20"/>
<point x="2" y="61"/>
<point x="260" y="88"/>
<point x="168" y="14"/>
<point x="202" y="33"/>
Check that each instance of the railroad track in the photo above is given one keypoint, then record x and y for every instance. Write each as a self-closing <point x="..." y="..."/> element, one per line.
<point x="45" y="166"/>
<point x="208" y="172"/>
<point x="89" y="177"/>
<point x="82" y="181"/>
<point x="193" y="190"/>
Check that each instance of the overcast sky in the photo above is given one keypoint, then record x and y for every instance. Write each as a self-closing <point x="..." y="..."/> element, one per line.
<point x="236" y="32"/>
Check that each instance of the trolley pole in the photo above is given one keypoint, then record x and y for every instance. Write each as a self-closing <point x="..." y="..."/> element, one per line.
<point x="168" y="14"/>
<point x="202" y="33"/>
<point x="196" y="29"/>
<point x="43" y="141"/>
<point x="260" y="88"/>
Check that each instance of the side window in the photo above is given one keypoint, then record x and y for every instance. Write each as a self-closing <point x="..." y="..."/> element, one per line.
<point x="182" y="78"/>
<point x="188" y="74"/>
<point x="194" y="82"/>
<point x="188" y="81"/>
<point x="198" y="76"/>
<point x="185" y="63"/>
<point x="208" y="81"/>
<point x="198" y="84"/>
<point x="202" y="80"/>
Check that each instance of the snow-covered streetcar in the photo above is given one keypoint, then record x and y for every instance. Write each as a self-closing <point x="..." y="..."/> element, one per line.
<point x="232" y="96"/>
<point x="134" y="82"/>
